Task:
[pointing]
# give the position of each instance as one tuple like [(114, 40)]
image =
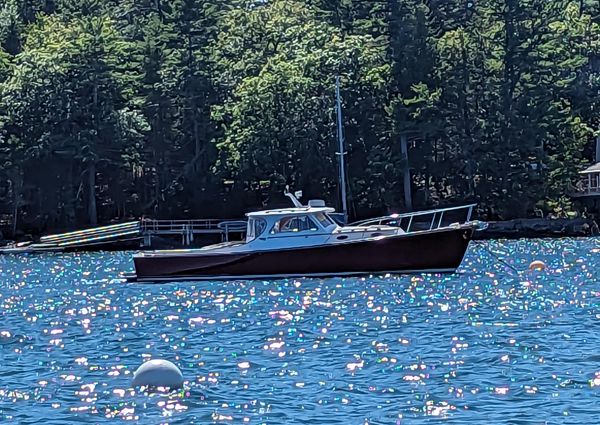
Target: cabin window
[(323, 219), (256, 226), (259, 226), (293, 224)]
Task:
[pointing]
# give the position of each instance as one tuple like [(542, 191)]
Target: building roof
[(291, 211), (591, 170)]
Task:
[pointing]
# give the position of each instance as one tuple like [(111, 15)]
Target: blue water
[(487, 345)]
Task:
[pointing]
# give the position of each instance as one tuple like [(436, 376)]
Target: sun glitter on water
[(487, 345)]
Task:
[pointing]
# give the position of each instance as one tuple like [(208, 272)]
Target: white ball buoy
[(537, 265), (158, 373)]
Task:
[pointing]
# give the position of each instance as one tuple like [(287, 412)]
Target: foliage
[(111, 109)]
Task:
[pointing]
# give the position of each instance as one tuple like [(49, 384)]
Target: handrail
[(233, 224), (190, 225), (418, 213), (195, 220), (203, 224), (415, 214), (411, 215)]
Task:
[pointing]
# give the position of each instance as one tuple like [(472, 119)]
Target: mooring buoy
[(158, 373), (537, 265)]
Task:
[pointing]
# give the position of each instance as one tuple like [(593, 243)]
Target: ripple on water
[(487, 345)]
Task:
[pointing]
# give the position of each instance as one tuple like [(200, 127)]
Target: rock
[(538, 228)]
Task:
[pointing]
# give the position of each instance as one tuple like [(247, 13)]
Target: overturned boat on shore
[(304, 241)]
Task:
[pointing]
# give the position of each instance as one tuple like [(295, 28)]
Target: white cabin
[(305, 226)]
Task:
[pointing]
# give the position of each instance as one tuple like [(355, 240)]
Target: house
[(589, 184)]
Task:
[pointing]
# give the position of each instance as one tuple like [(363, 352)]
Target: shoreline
[(533, 228), (524, 228)]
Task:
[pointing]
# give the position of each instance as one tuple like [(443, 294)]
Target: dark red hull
[(435, 251)]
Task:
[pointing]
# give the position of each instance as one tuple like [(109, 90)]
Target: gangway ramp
[(94, 236), (121, 235)]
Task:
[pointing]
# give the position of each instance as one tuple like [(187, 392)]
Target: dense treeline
[(189, 108)]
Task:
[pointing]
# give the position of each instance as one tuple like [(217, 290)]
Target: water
[(488, 345)]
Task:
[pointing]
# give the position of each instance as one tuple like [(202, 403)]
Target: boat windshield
[(323, 219), (300, 223)]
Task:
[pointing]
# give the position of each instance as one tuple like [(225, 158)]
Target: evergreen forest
[(114, 109)]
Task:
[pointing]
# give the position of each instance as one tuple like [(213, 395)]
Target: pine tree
[(65, 106), (279, 122)]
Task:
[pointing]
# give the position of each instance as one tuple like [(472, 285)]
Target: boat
[(313, 241), (304, 241)]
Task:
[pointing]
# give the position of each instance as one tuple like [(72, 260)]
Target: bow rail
[(419, 220)]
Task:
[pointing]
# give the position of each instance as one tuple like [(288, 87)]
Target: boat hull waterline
[(438, 251)]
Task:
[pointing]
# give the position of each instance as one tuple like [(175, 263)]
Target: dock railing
[(232, 226), (423, 220), (180, 226), (188, 228)]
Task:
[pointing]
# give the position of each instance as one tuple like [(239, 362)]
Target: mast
[(342, 152)]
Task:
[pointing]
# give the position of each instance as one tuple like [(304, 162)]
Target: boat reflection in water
[(305, 241)]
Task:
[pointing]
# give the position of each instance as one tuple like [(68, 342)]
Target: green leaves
[(164, 101), (64, 99), (507, 75), (278, 122)]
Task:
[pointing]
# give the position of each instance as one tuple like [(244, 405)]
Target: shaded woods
[(112, 109)]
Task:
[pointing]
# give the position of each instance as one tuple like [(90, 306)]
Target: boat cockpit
[(306, 225)]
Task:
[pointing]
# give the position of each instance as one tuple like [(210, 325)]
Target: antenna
[(342, 152), (293, 197)]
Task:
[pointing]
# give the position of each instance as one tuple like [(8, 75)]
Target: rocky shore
[(539, 228)]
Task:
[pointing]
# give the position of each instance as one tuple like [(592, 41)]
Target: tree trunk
[(92, 209), (69, 198), (197, 148), (17, 184), (466, 117), (406, 178)]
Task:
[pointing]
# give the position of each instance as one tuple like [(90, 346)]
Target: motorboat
[(310, 240), (304, 241)]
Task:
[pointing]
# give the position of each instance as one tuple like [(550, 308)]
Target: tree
[(111, 108), (279, 125), (65, 106)]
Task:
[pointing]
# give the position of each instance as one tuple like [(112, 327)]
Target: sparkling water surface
[(494, 343)]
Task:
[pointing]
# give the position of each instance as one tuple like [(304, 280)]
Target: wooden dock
[(137, 233)]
